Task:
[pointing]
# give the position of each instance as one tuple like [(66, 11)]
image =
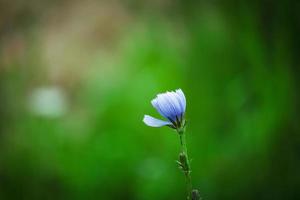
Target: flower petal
[(166, 106), (153, 122), (175, 102), (156, 105), (182, 99)]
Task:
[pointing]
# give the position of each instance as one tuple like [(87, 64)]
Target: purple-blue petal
[(175, 102), (153, 122), (182, 99), (156, 105), (166, 106)]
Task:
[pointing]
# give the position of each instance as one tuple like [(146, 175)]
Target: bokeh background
[(76, 78)]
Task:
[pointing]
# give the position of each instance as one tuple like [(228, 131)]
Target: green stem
[(187, 172)]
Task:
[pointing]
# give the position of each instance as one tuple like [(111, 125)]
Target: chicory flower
[(170, 105)]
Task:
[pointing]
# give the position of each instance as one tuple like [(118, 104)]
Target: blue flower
[(170, 105)]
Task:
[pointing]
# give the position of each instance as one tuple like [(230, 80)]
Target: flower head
[(170, 105)]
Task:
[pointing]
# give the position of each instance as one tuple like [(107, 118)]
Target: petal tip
[(153, 122)]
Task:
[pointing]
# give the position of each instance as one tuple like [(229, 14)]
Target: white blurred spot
[(48, 102)]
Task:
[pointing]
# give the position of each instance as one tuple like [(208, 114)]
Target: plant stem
[(187, 169)]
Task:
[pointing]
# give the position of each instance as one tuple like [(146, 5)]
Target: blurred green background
[(76, 78)]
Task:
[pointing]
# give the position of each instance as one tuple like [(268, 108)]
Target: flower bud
[(195, 194), (184, 162)]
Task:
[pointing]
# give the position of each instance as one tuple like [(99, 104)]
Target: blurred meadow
[(76, 78)]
